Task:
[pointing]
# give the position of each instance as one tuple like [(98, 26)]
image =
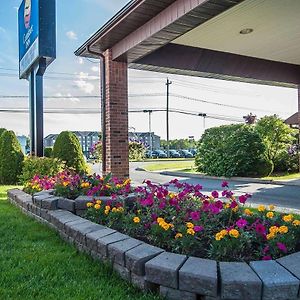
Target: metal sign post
[(37, 49)]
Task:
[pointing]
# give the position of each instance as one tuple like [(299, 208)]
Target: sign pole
[(32, 112)]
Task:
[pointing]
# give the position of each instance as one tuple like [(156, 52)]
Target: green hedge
[(232, 150), (67, 148), (11, 158)]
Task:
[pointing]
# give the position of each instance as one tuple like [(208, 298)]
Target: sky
[(73, 83)]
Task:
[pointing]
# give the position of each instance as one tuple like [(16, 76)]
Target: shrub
[(40, 166), (231, 150), (67, 148), (97, 151), (2, 130), (48, 152), (11, 158), (137, 150)]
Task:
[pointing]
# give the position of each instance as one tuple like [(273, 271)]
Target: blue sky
[(76, 21)]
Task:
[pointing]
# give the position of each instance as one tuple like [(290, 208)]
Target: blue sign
[(37, 33)]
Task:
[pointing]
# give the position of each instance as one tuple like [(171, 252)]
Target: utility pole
[(203, 115), (168, 83), (150, 133)]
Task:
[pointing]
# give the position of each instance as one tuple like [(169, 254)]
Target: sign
[(37, 36)]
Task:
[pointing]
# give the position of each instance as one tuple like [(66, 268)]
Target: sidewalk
[(290, 182)]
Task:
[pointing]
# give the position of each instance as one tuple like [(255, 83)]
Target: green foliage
[(97, 151), (179, 144), (2, 130), (137, 150), (48, 151), (231, 150), (286, 163), (67, 148), (276, 136), (40, 166), (11, 158)]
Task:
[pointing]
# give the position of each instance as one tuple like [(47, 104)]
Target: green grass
[(36, 264), (283, 176), (184, 164)]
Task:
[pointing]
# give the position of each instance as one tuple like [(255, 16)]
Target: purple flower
[(260, 229), (195, 215), (267, 257), (224, 184), (282, 247), (198, 228), (242, 199), (241, 223), (215, 194), (233, 204), (148, 201)]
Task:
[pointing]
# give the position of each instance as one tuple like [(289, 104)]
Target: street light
[(203, 115), (149, 111)]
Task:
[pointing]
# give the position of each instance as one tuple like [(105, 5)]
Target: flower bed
[(179, 218)]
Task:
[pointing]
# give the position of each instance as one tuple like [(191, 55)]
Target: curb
[(240, 179)]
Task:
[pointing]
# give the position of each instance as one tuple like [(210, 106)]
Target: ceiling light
[(246, 31)]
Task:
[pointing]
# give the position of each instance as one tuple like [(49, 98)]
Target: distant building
[(23, 141), (86, 139), (292, 120), (145, 137)]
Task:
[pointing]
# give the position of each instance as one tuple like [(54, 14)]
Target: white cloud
[(71, 35), (95, 69), (80, 61), (66, 97), (84, 86)]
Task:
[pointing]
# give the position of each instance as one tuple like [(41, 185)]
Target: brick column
[(116, 117)]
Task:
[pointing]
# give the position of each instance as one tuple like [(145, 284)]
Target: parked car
[(193, 151), (148, 154), (186, 154), (159, 154), (174, 153)]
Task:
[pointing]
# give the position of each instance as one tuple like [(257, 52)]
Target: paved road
[(279, 195)]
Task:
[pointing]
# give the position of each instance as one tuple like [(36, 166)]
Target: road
[(279, 195)]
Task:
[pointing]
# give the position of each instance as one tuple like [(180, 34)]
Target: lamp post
[(149, 111), (168, 83), (203, 115)]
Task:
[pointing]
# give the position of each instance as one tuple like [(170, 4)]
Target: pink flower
[(267, 257), (241, 223), (233, 204), (148, 201), (215, 194), (195, 215), (260, 229), (198, 228), (282, 247), (242, 199), (224, 184)]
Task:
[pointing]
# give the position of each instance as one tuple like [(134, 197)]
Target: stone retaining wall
[(148, 267)]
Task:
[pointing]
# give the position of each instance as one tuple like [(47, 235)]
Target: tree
[(137, 150), (179, 144), (67, 148), (276, 135), (11, 158)]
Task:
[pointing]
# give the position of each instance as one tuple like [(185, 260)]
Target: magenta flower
[(148, 201), (282, 247), (198, 228), (267, 257), (233, 204), (242, 199), (241, 223), (224, 184), (195, 215), (260, 229), (215, 194)]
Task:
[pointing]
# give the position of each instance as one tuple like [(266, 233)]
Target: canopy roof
[(246, 40)]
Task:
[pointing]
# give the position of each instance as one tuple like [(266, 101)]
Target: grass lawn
[(36, 264), (283, 176), (171, 165)]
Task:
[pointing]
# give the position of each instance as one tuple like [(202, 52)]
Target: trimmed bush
[(48, 151), (40, 166), (2, 130), (137, 150), (232, 150), (11, 158), (67, 148)]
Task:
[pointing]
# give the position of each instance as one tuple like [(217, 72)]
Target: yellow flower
[(107, 207), (283, 229), (235, 209), (89, 204), (190, 231), (273, 229), (272, 207), (261, 208), (118, 186), (270, 215), (171, 225), (120, 209), (65, 183), (270, 236), (99, 202), (165, 226), (227, 205), (85, 184), (190, 225), (171, 195), (108, 186), (136, 220), (106, 211), (218, 236), (160, 220), (248, 212), (287, 218), (114, 209), (178, 235), (97, 206), (224, 232), (234, 233), (296, 223)]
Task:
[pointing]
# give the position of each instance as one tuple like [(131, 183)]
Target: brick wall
[(116, 116)]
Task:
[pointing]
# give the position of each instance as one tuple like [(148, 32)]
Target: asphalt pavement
[(280, 195)]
